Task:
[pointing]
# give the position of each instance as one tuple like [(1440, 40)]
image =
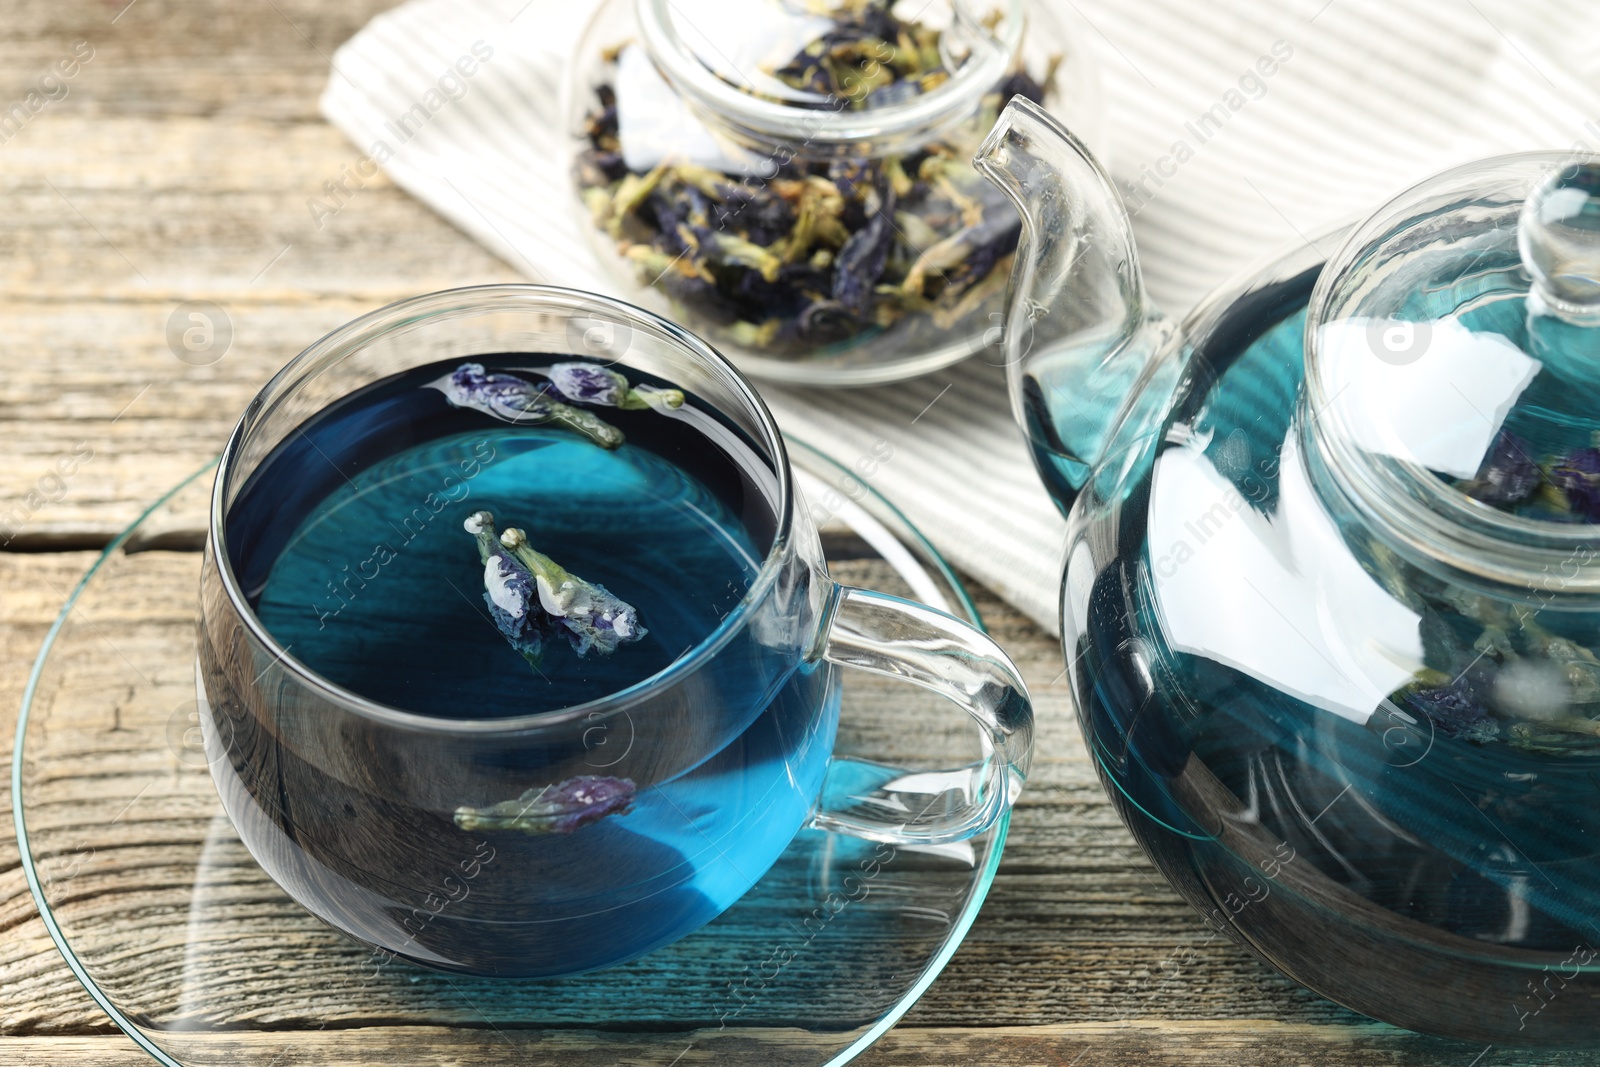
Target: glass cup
[(356, 808)]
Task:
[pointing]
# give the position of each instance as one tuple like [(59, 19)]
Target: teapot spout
[(1080, 343)]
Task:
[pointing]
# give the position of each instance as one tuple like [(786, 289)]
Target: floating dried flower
[(1453, 708), (553, 809), (531, 597), (512, 399), (588, 383), (655, 398), (510, 591), (590, 615), (1560, 737)]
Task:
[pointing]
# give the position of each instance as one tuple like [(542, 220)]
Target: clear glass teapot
[(1332, 596)]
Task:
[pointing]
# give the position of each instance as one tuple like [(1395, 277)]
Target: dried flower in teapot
[(1559, 488)]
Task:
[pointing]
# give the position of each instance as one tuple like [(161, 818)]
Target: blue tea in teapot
[(1331, 604)]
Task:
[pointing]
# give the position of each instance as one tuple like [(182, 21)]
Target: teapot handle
[(1088, 360)]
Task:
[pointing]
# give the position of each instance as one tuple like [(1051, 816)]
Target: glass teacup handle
[(886, 635)]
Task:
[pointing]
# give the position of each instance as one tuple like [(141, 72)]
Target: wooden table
[(177, 167)]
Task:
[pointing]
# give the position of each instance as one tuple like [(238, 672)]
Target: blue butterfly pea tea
[(1329, 606), (638, 513), (369, 547), (518, 664)]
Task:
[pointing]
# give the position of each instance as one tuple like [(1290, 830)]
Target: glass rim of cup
[(348, 338)]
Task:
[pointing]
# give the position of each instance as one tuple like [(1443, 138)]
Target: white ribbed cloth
[(1374, 94)]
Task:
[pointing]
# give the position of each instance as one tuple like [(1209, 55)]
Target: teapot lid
[(806, 73), (1453, 358)]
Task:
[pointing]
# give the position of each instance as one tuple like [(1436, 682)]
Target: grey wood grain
[(1156, 1043)]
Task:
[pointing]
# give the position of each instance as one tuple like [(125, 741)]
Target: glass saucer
[(201, 959)]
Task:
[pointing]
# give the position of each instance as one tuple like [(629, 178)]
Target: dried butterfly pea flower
[(1508, 474), (653, 397), (1577, 478), (797, 286), (1021, 83), (899, 92), (956, 305), (861, 260), (865, 53), (599, 168), (632, 191), (726, 249), (827, 321), (511, 399), (751, 335), (991, 242), (531, 597), (589, 383), (914, 242), (589, 614), (1453, 708), (761, 215), (818, 207), (966, 256), (848, 174), (510, 591), (1561, 737), (553, 809), (685, 281), (668, 207)]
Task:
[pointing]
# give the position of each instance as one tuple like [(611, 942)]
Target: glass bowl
[(797, 188)]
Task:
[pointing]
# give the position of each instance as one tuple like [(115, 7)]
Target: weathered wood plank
[(122, 204), (1154, 1042), (181, 57), (35, 587), (97, 413)]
